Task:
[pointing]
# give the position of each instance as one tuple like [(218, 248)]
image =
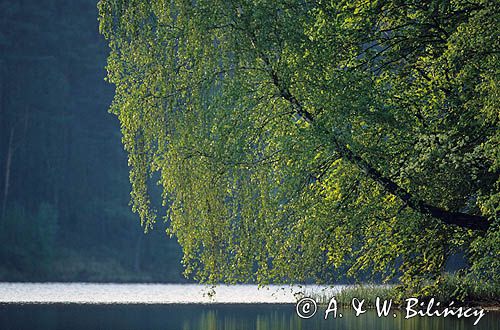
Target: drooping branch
[(464, 220), (460, 219)]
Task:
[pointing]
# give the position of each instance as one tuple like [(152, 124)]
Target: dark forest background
[(64, 186)]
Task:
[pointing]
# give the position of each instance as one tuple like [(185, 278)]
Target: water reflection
[(110, 293), (215, 316)]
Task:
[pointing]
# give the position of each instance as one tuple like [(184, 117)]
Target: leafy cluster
[(308, 139)]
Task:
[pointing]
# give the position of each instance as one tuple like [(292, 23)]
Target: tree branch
[(463, 220)]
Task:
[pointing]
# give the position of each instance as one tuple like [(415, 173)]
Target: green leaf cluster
[(302, 140)]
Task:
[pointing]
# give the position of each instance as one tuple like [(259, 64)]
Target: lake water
[(164, 306), (95, 293)]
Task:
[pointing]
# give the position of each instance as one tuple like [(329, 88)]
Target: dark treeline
[(64, 186)]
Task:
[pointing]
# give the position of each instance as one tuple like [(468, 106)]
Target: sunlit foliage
[(303, 139)]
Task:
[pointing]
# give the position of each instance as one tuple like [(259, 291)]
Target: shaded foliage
[(63, 185)]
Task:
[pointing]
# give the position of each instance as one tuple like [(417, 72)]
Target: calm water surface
[(160, 306), (94, 293)]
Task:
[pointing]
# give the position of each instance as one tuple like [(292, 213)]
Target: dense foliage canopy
[(304, 139), (63, 177)]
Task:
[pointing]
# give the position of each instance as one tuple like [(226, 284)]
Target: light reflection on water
[(186, 307), (95, 293)]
